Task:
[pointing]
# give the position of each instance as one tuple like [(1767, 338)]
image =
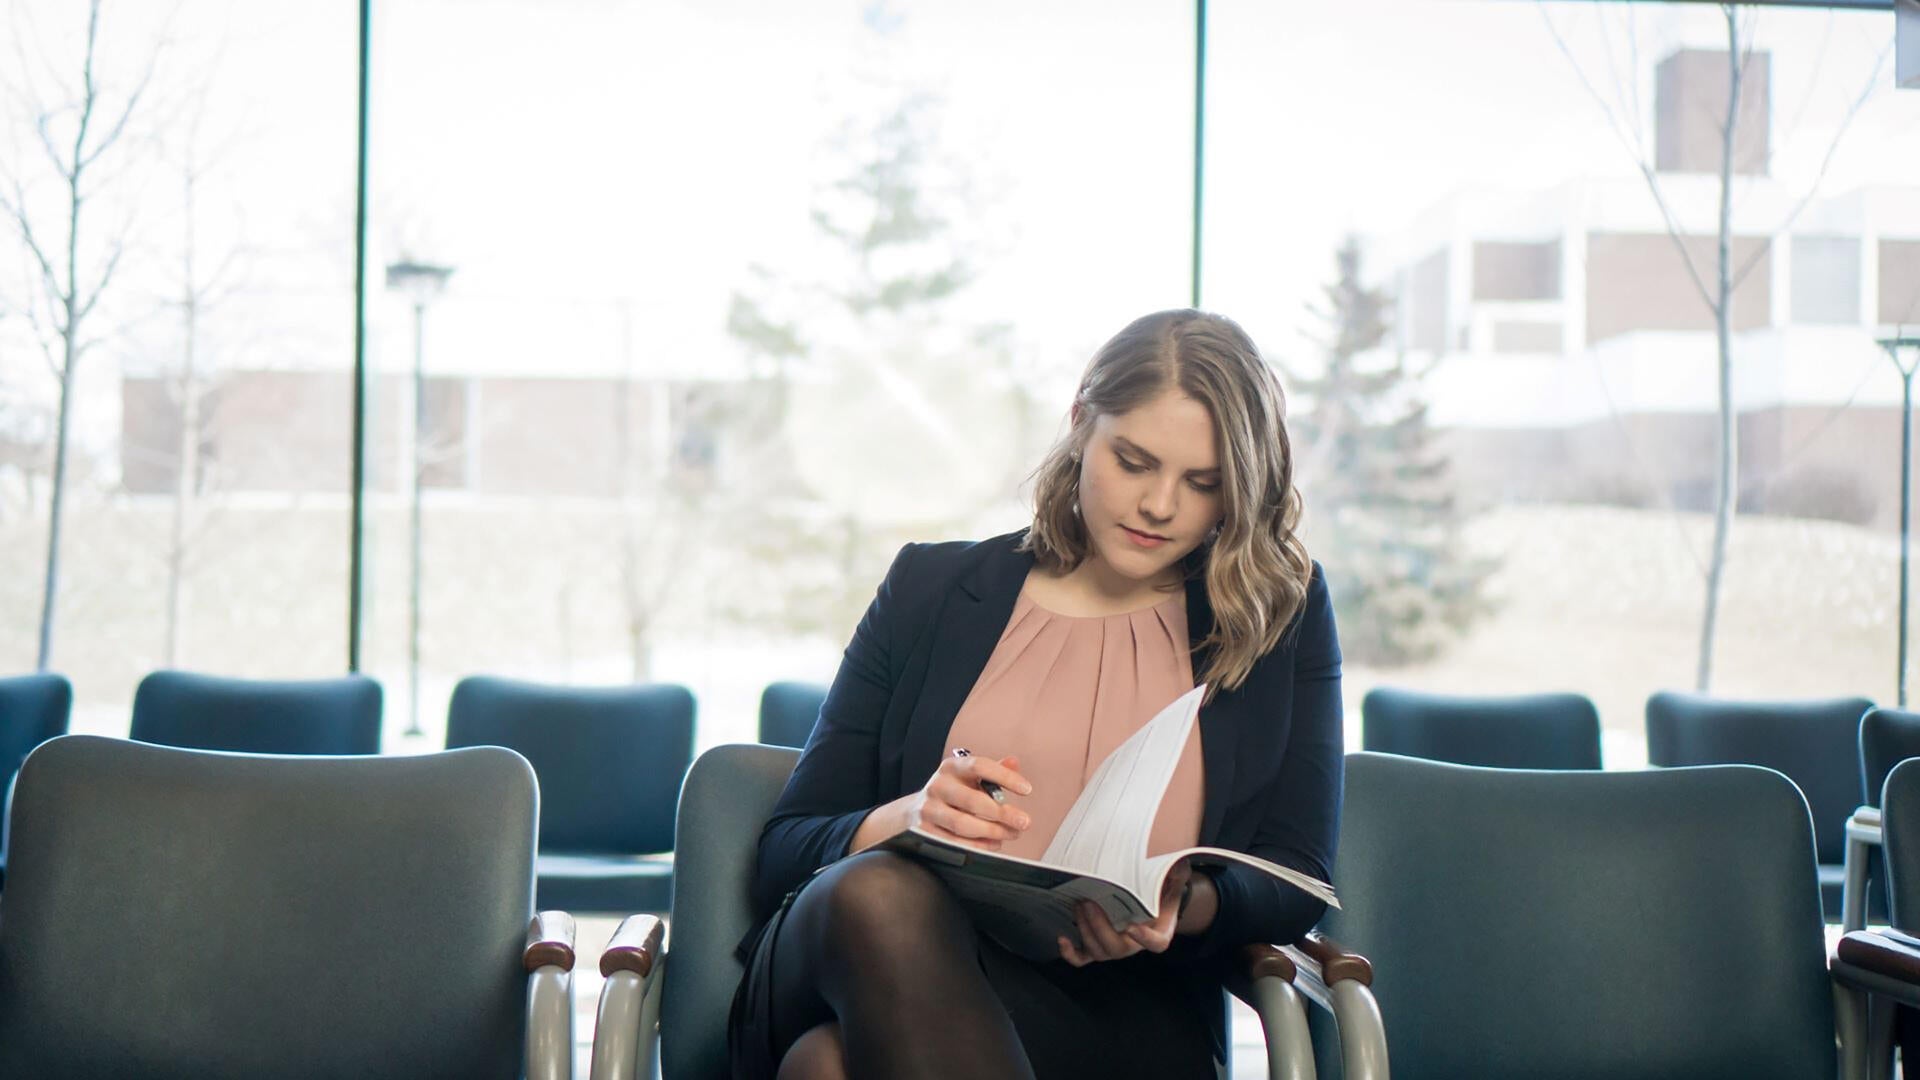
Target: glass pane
[(203, 507), (1536, 208), (729, 331)]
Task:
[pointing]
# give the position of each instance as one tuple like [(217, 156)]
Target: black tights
[(877, 974)]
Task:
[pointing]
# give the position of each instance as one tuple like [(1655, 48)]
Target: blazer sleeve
[(1301, 825), (836, 781)]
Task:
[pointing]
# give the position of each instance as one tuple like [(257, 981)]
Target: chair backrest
[(300, 716), (1528, 731), (1547, 923), (1887, 737), (610, 759), (33, 709), (1900, 837), (729, 794), (788, 711), (185, 913), (1815, 743)]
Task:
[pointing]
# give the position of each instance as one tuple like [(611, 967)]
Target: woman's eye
[(1130, 466), (1205, 489)]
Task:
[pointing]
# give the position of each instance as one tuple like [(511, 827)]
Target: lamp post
[(1895, 346), (420, 283)]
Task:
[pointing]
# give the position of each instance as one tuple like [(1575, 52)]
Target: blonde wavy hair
[(1255, 566)]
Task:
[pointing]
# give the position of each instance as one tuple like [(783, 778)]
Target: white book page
[(1106, 831)]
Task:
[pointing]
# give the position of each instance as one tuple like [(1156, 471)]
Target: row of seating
[(228, 915), (1837, 751), (611, 758)]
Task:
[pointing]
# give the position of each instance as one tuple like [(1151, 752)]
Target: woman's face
[(1150, 485)]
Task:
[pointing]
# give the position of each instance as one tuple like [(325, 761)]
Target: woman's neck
[(1092, 588)]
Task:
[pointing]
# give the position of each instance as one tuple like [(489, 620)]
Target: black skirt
[(1124, 1018)]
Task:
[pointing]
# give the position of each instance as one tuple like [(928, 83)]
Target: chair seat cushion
[(579, 882)]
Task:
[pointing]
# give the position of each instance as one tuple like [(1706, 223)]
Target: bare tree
[(193, 385), (1727, 276), (82, 132)]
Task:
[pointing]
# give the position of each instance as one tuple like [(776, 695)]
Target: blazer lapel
[(974, 613), (1218, 723)]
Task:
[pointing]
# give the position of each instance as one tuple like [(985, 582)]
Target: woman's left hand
[(1100, 941)]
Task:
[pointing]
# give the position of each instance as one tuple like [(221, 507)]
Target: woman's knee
[(880, 897)]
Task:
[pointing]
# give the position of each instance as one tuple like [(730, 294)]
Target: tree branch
[(1820, 174)]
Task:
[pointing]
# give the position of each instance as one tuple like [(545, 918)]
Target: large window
[(206, 378), (743, 296), (1534, 194)]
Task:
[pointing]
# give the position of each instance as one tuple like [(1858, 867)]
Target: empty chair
[(1528, 731), (1887, 737), (33, 709), (1884, 963), (678, 1010), (1813, 742), (787, 712), (182, 913), (253, 716), (610, 761), (1532, 924)]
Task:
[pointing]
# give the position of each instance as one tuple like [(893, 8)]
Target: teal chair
[(1525, 924), (788, 711), (179, 913), (1814, 743), (610, 762), (1522, 731), (258, 716), (33, 709)]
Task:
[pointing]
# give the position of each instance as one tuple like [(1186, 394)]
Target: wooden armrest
[(1883, 952), (549, 941), (1260, 961), (635, 946), (1336, 963)]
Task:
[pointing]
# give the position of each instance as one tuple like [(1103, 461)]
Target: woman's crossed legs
[(877, 973)]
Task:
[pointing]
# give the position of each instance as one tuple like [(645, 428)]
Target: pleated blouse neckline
[(1062, 691)]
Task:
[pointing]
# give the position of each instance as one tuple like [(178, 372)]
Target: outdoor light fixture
[(421, 283), (1904, 348)]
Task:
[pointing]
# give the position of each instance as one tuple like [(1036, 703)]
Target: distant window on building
[(1690, 112), (444, 447), (1826, 279), (1427, 303), (1639, 281), (697, 411), (1900, 282), (1507, 271), (1519, 336)]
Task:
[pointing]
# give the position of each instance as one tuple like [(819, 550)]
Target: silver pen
[(992, 789)]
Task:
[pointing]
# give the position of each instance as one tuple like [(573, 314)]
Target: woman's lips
[(1145, 540)]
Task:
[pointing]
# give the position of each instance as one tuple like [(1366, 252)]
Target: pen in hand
[(992, 789)]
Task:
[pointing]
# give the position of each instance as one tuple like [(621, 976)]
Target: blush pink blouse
[(1062, 691)]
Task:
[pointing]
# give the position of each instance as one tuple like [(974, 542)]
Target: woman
[(1163, 550)]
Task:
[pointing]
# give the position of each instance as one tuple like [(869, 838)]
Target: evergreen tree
[(1381, 516), (898, 407)]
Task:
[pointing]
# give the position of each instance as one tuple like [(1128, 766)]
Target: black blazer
[(1273, 750)]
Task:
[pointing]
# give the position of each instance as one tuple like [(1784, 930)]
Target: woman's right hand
[(952, 806)]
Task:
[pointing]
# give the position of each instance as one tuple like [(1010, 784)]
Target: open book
[(1099, 854)]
